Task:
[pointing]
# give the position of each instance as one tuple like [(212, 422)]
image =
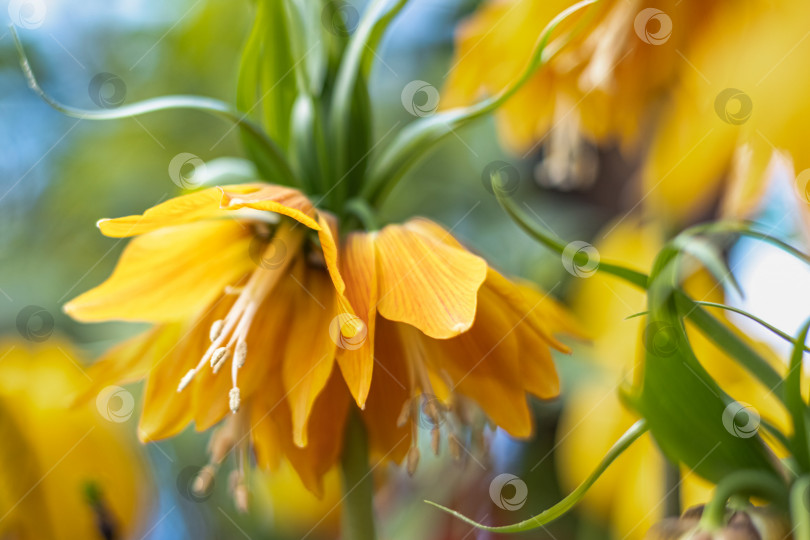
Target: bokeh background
[(59, 175)]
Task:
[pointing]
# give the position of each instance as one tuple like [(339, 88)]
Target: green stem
[(672, 495), (358, 485), (795, 402), (630, 436), (800, 508), (746, 483), (420, 137), (209, 105), (360, 209)]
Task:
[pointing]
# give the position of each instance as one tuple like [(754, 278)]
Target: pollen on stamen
[(241, 353), (219, 357), (234, 399), (186, 379), (216, 330)]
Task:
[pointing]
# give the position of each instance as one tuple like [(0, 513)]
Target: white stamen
[(219, 357), (241, 354), (216, 330), (234, 399), (220, 360), (186, 379)]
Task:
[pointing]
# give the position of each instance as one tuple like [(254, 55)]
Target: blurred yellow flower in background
[(68, 472), (630, 495), (282, 307), (702, 93)]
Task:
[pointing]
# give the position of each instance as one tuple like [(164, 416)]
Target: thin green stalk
[(361, 210), (358, 485), (559, 509), (800, 508), (746, 483), (415, 141), (784, 335), (795, 403), (205, 104)]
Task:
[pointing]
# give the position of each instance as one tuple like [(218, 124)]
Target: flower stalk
[(358, 484)]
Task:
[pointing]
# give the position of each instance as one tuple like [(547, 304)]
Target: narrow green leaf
[(725, 338), (562, 507), (800, 508), (784, 335), (795, 403), (350, 108), (547, 238), (421, 136), (274, 165), (707, 253)]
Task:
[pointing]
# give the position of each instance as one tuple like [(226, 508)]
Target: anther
[(234, 399), (241, 353), (413, 460), (216, 330), (219, 357), (203, 480), (404, 414)]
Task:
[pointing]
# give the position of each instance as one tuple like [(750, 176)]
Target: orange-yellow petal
[(279, 199), (425, 282), (356, 354), (170, 274), (388, 394), (272, 425), (188, 208), (166, 412), (310, 350), (484, 364)]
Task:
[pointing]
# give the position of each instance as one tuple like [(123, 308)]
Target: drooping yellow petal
[(170, 274), (387, 396), (272, 425), (310, 350), (484, 365), (126, 362), (356, 354), (279, 199), (425, 282), (188, 208), (166, 411), (536, 364), (528, 304)]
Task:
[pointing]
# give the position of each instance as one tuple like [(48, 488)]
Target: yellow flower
[(67, 471), (702, 93), (234, 285), (629, 496)]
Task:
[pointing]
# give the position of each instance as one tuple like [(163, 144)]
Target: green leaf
[(547, 238), (784, 335), (547, 516), (709, 254), (725, 338), (800, 507), (268, 83), (350, 108), (273, 165), (795, 403), (421, 136), (687, 411)]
